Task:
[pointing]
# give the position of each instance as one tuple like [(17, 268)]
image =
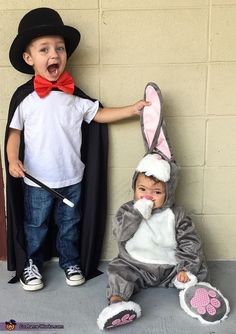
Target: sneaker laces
[(74, 270), (32, 271)]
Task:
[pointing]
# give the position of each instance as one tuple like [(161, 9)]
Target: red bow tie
[(43, 87)]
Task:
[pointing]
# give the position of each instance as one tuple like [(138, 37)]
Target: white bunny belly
[(154, 242)]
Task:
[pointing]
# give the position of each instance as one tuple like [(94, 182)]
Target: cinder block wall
[(188, 48)]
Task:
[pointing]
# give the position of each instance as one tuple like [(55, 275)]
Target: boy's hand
[(182, 277), (16, 168), (138, 106)]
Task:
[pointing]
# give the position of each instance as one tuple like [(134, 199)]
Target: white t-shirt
[(52, 135)]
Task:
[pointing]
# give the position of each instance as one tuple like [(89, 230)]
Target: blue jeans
[(39, 204)]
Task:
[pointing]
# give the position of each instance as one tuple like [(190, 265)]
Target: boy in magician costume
[(157, 241), (44, 138)]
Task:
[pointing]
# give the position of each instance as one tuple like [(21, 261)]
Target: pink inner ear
[(163, 146), (151, 114), (151, 117)]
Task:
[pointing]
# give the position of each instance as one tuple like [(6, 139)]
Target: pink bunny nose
[(148, 197)]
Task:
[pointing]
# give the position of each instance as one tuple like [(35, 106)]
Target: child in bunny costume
[(157, 241)]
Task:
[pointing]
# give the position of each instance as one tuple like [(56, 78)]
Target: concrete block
[(219, 233), (221, 89), (187, 137), (219, 191), (223, 27), (119, 187), (87, 79), (220, 145), (189, 191), (62, 4), (223, 2), (148, 4), (126, 146), (152, 37)]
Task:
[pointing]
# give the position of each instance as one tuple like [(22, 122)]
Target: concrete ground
[(77, 308)]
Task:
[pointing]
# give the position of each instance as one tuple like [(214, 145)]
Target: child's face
[(48, 56), (146, 187)]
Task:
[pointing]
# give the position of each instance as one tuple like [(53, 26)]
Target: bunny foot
[(204, 302), (118, 314)]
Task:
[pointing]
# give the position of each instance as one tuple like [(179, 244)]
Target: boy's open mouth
[(52, 69)]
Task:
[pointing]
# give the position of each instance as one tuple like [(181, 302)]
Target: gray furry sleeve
[(189, 252), (126, 222)]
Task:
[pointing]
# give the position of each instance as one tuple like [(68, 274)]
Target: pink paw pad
[(124, 320), (205, 301)]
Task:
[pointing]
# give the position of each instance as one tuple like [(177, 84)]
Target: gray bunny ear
[(152, 125)]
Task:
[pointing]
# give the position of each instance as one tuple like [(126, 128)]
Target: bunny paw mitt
[(204, 302), (118, 314), (144, 206)]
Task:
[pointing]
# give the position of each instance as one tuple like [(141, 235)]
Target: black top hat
[(40, 22)]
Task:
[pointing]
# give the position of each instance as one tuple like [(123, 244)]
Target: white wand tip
[(69, 203)]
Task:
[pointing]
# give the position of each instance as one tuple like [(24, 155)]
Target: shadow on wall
[(3, 250)]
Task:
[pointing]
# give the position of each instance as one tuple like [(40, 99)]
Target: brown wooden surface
[(3, 251)]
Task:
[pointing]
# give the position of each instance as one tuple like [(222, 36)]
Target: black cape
[(94, 152)]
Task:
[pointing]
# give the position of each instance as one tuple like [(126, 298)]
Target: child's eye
[(158, 192), (61, 48), (141, 189), (45, 50)]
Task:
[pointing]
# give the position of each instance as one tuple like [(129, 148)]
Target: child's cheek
[(136, 196)]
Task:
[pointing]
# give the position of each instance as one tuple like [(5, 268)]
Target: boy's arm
[(108, 115), (16, 167)]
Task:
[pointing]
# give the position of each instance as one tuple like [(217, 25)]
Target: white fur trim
[(192, 281), (193, 315), (152, 166), (144, 206), (113, 309)]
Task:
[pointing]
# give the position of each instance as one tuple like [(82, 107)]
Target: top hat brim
[(18, 47)]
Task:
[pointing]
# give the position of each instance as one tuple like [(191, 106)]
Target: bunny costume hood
[(158, 161), (162, 170)]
